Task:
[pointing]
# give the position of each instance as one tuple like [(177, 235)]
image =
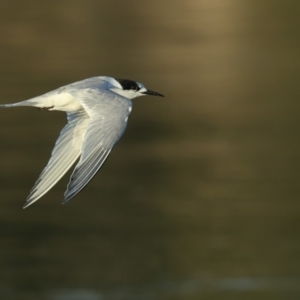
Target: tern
[(97, 111)]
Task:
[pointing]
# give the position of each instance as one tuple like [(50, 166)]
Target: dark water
[(200, 198)]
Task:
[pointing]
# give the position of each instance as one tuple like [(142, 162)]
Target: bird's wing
[(108, 112), (67, 149)]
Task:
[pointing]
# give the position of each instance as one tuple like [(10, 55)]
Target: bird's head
[(131, 89)]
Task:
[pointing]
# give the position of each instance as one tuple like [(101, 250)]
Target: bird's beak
[(152, 93)]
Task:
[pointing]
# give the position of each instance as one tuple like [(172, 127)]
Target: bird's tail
[(23, 103)]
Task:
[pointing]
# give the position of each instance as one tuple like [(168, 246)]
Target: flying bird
[(97, 112)]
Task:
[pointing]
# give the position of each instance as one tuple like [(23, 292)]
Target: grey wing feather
[(66, 151), (108, 113)]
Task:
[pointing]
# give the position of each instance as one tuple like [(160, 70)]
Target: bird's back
[(97, 83)]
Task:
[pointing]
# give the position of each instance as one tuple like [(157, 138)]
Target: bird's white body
[(97, 111), (66, 98)]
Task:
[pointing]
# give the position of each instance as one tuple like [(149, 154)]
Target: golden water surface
[(200, 198)]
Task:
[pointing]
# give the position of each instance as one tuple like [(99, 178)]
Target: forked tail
[(23, 103)]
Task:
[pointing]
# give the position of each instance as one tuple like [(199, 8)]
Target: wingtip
[(29, 201), (67, 198), (26, 205)]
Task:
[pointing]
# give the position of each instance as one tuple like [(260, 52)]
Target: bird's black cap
[(128, 84)]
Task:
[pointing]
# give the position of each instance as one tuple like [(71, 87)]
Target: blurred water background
[(200, 198)]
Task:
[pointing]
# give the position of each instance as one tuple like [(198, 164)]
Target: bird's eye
[(135, 87), (129, 84)]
